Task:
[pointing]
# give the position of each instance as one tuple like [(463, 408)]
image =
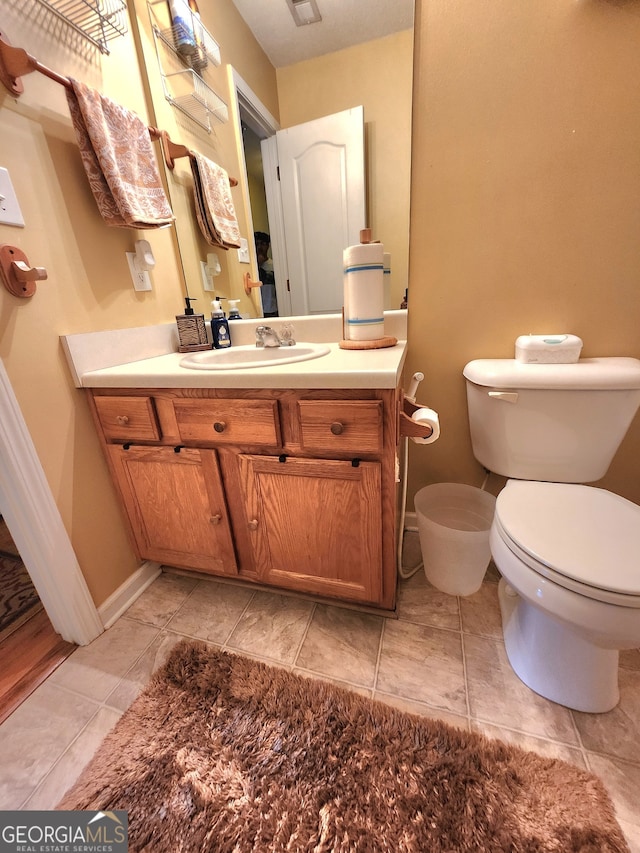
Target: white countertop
[(146, 358)]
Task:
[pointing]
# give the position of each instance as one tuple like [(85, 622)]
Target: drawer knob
[(216, 519), (337, 428), (123, 420), (253, 524), (219, 426)]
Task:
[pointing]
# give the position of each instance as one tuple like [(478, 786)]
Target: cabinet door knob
[(216, 519), (123, 420), (337, 428), (253, 524), (219, 426)]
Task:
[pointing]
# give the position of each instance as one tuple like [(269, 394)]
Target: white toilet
[(569, 555)]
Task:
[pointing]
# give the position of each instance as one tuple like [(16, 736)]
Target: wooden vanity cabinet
[(294, 489)]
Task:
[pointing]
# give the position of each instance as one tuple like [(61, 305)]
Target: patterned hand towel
[(119, 160), (214, 206)]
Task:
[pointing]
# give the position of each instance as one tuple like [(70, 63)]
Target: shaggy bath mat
[(222, 753), (19, 600)]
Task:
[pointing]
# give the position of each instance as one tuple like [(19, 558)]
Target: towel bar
[(15, 62)]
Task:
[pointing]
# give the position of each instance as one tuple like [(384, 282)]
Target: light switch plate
[(243, 251), (10, 213)]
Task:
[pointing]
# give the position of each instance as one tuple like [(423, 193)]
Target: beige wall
[(525, 218), (377, 75), (525, 199), (89, 287)]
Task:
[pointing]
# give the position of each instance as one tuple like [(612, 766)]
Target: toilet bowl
[(569, 556)]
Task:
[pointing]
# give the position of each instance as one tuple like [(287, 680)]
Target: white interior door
[(322, 188)]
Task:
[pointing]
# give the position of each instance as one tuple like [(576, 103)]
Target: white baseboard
[(120, 600)]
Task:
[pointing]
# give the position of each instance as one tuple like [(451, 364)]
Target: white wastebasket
[(454, 522)]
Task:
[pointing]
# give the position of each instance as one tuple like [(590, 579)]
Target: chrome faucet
[(267, 337)]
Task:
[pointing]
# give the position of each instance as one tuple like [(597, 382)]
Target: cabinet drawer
[(353, 426), (128, 418), (252, 422)]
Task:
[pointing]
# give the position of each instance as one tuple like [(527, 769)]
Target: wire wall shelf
[(183, 66), (99, 21), (198, 101)]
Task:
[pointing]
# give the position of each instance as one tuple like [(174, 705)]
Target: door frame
[(36, 526)]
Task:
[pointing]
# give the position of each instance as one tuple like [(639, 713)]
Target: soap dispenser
[(234, 314), (219, 327), (192, 330)]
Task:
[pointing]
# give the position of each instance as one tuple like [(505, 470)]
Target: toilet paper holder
[(409, 427)]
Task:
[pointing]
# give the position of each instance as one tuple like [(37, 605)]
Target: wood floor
[(27, 658), (28, 655)]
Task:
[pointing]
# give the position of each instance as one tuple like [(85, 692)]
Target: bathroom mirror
[(376, 75)]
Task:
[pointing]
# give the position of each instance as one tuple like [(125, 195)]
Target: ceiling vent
[(304, 12)]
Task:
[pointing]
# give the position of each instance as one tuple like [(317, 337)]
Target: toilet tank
[(557, 422)]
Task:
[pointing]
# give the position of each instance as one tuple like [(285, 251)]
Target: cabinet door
[(176, 506), (315, 525)]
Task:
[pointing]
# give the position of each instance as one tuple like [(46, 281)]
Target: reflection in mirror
[(263, 100), (315, 189), (310, 90)]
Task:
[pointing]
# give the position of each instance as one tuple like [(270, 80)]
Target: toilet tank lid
[(602, 374)]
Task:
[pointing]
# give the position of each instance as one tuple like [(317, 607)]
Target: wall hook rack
[(17, 274)]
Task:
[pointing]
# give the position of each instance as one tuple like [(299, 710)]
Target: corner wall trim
[(36, 526), (123, 597)]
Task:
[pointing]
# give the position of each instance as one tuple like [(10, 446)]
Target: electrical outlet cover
[(140, 278), (207, 281)]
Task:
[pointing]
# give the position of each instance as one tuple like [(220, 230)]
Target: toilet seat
[(584, 539)]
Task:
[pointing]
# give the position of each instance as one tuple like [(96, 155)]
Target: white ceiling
[(344, 23)]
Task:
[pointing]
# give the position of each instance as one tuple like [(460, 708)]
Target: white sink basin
[(235, 358)]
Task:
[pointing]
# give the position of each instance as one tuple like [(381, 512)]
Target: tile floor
[(442, 657)]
